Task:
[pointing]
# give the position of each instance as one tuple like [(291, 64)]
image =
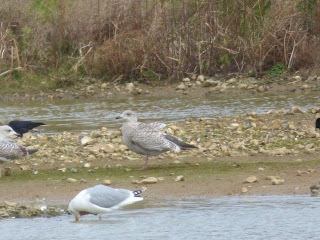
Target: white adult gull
[(146, 138), (9, 149), (102, 199)]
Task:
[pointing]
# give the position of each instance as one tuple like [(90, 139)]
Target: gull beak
[(119, 117)]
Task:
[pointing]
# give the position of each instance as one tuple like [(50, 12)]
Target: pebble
[(106, 182), (179, 178), (86, 140), (244, 190), (71, 180), (148, 180), (251, 179)]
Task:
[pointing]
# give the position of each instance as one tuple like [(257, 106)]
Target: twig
[(75, 67), (9, 71)]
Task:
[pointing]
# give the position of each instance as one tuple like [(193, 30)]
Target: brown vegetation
[(157, 39)]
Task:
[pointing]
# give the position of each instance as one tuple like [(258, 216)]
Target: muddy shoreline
[(283, 144)]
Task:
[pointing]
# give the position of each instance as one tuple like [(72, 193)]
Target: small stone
[(71, 180), (277, 181), (251, 179), (181, 86), (106, 182), (129, 87), (149, 180), (261, 89), (179, 178), (186, 80), (244, 190), (62, 170), (10, 204), (24, 167), (86, 140), (87, 165), (8, 171), (74, 170), (200, 78), (297, 110)]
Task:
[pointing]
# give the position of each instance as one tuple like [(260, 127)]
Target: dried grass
[(166, 38)]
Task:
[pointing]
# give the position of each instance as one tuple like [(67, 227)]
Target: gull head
[(6, 132), (128, 116)]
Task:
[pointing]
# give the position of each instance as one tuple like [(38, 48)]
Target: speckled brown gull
[(102, 199), (146, 139), (9, 149)]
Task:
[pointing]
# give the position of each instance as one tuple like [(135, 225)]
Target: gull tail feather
[(139, 191), (181, 144)]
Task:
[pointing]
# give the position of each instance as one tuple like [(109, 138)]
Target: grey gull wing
[(107, 197)]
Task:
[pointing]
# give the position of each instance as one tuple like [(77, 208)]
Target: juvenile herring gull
[(9, 149), (147, 139), (22, 127), (102, 199)]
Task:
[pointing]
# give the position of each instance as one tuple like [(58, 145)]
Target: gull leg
[(77, 217), (0, 169), (100, 218), (145, 166)]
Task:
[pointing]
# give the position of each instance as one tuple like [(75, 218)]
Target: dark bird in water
[(146, 138), (22, 127), (318, 123)]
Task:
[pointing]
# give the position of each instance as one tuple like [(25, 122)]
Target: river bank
[(249, 154), (194, 86)]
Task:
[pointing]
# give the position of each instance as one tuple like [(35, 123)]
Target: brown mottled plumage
[(146, 139), (9, 149)]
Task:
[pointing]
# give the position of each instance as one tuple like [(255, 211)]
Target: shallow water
[(263, 217), (92, 114)]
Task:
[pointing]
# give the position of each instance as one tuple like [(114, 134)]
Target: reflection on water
[(92, 114), (266, 217)]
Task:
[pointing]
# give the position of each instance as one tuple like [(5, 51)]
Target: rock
[(305, 86), (277, 181), (181, 86), (311, 132), (104, 86), (200, 78), (243, 86), (106, 182), (297, 110), (186, 80), (314, 190), (149, 180), (297, 78), (24, 167), (276, 124), (102, 147), (74, 170), (251, 179), (211, 83), (231, 81), (8, 171), (244, 190), (62, 170), (86, 140), (179, 178), (261, 89), (10, 204), (95, 134), (71, 180), (87, 165), (129, 87)]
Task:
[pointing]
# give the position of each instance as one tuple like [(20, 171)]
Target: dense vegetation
[(64, 40)]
